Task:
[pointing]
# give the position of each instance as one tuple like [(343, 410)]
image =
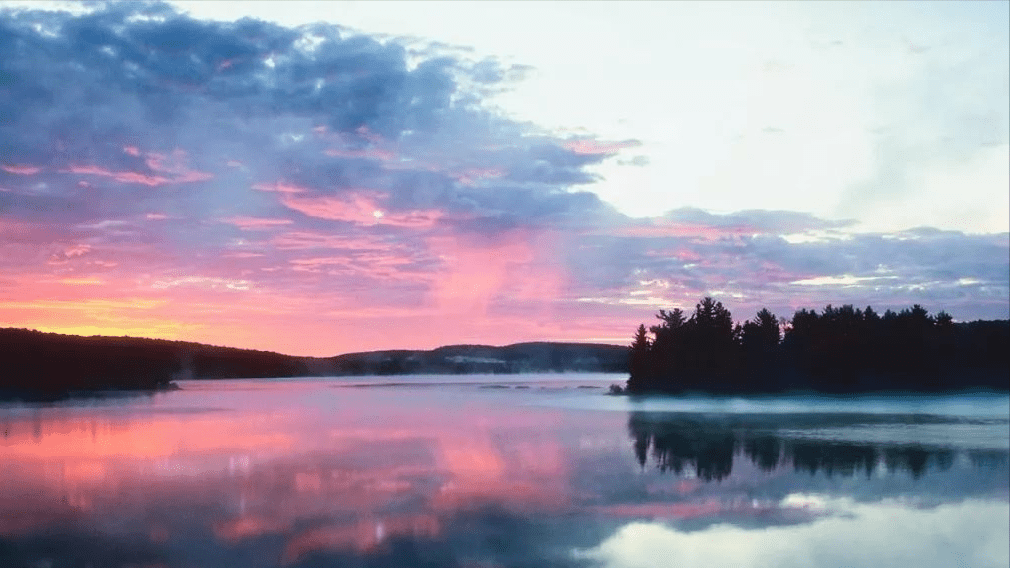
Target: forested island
[(50, 364), (839, 350)]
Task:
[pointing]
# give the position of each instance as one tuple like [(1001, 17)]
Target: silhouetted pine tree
[(640, 363), (759, 341)]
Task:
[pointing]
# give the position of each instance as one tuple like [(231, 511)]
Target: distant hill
[(463, 359), (37, 362)]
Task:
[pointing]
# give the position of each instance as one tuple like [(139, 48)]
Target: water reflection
[(969, 533), (297, 473), (708, 447)]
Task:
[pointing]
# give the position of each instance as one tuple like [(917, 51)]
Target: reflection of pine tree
[(911, 458), (677, 442), (642, 442), (764, 451), (832, 458)]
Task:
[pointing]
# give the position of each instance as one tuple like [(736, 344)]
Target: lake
[(501, 471)]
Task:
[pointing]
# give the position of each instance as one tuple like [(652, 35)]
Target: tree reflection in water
[(248, 474), (686, 443)]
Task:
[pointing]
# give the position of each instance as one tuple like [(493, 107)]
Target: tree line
[(836, 350), (36, 362)]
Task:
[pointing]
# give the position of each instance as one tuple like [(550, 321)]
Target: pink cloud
[(515, 269), (21, 170), (172, 167), (280, 187), (76, 250), (412, 219), (384, 266), (303, 240), (82, 281), (175, 164), (770, 272), (192, 177), (598, 147), (661, 228), (72, 251), (360, 208), (124, 177), (470, 176), (348, 146), (320, 261), (367, 134), (370, 153), (31, 233), (243, 255), (255, 223), (681, 253)]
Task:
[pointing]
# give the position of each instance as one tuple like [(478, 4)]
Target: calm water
[(534, 471)]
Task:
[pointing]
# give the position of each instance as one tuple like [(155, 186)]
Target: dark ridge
[(47, 366), (37, 362), (467, 359)]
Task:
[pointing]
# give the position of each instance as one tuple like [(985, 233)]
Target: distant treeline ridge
[(37, 362), (50, 362)]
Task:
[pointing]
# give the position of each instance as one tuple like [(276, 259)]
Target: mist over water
[(527, 470)]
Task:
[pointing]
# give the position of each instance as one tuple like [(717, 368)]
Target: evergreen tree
[(640, 363), (667, 349)]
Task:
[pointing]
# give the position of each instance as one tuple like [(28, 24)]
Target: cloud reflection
[(297, 473), (891, 533)]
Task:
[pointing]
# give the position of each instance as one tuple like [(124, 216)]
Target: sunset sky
[(323, 178)]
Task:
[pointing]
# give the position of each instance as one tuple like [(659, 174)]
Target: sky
[(320, 178)]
